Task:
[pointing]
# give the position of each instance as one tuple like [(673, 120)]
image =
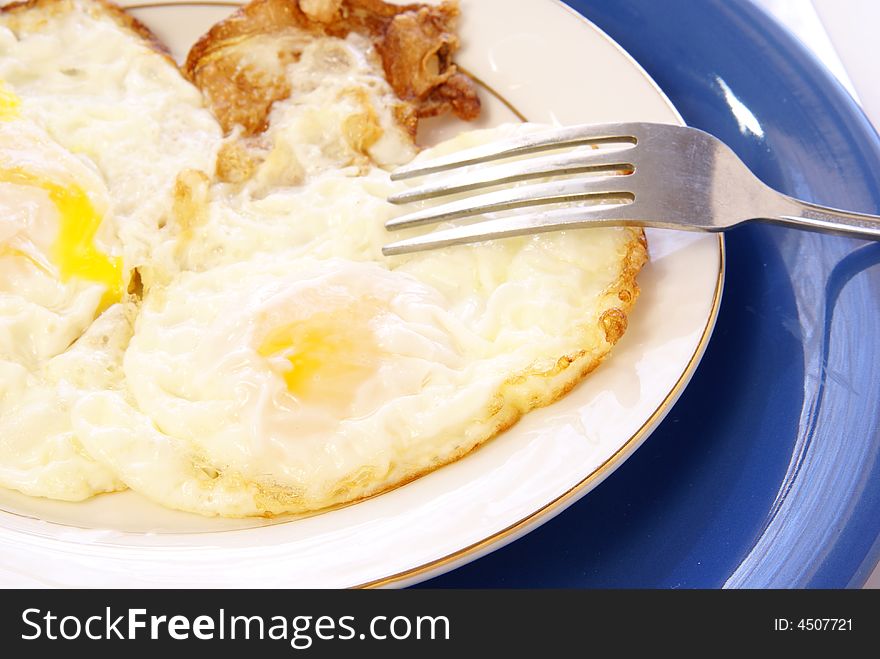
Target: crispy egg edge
[(513, 399)]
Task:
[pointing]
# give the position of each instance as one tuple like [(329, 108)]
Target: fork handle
[(824, 219)]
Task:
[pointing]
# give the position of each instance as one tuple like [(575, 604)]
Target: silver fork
[(650, 175)]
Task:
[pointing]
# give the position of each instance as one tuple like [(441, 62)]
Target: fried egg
[(294, 368), (97, 131), (281, 384), (60, 269), (101, 86)]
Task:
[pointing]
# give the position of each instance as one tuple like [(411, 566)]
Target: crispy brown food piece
[(416, 43), (15, 10)]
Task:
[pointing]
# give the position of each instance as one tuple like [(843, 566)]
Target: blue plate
[(766, 472)]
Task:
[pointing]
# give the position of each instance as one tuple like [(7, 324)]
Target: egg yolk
[(323, 359), (74, 251), (9, 103)]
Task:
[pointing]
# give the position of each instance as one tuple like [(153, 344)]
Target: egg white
[(384, 360), (108, 96), (51, 347), (470, 338)]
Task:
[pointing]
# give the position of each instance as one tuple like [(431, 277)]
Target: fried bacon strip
[(240, 63)]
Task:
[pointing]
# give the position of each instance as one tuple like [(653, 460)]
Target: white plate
[(550, 65)]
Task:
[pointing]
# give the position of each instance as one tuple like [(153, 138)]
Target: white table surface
[(842, 33)]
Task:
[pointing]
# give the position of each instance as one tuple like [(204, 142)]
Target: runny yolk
[(324, 358), (74, 251), (9, 103)]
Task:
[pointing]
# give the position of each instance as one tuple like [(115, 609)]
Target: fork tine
[(594, 187), (518, 225), (550, 139), (557, 165)]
